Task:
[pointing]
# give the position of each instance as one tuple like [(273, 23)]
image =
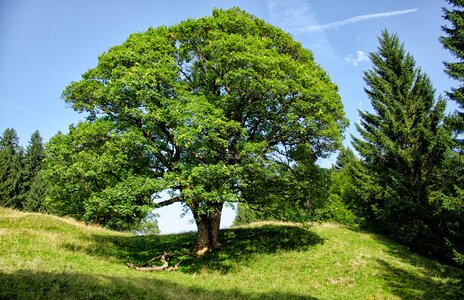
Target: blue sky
[(46, 44)]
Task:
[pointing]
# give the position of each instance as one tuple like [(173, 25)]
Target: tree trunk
[(208, 229)]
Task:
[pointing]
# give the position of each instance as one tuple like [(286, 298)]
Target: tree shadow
[(49, 285), (427, 284), (418, 276), (239, 246)]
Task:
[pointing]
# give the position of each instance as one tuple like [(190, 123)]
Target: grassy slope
[(45, 257)]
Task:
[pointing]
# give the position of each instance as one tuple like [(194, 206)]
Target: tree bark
[(208, 228)]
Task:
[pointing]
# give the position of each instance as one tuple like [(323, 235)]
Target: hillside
[(45, 257)]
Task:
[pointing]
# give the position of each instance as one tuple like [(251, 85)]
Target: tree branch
[(170, 201), (160, 268)]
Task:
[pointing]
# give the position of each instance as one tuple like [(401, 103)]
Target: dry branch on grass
[(165, 258)]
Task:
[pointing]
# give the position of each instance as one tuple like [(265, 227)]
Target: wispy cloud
[(360, 57), (14, 105), (357, 19), (292, 16)]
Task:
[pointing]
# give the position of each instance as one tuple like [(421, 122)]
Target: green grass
[(45, 257)]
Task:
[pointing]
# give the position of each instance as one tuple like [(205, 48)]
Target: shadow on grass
[(426, 284), (420, 277), (43, 285), (239, 246)]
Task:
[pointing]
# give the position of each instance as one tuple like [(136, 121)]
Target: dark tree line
[(22, 183)]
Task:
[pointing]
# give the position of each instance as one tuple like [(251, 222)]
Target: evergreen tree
[(10, 168), (451, 197), (33, 157), (454, 42), (345, 156), (403, 146), (33, 187), (35, 198)]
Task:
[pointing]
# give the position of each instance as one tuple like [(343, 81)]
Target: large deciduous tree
[(100, 175), (403, 146), (215, 100)]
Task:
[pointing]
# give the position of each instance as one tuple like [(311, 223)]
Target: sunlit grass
[(45, 257)]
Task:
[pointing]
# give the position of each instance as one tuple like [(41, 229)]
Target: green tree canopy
[(339, 205), (213, 99), (403, 146), (100, 175), (287, 193)]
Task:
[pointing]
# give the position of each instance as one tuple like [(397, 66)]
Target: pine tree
[(34, 155), (454, 42), (33, 188), (10, 168), (344, 157), (35, 199), (451, 197), (403, 144)]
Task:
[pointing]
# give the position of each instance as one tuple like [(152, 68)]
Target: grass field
[(45, 257)]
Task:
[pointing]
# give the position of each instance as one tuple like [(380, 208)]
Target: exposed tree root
[(165, 258)]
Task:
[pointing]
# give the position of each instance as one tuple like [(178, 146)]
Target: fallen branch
[(175, 268), (163, 258), (149, 261)]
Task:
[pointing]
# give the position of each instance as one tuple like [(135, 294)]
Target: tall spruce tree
[(33, 157), (403, 145), (35, 199), (33, 188), (345, 156), (10, 169), (454, 42), (451, 198)]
